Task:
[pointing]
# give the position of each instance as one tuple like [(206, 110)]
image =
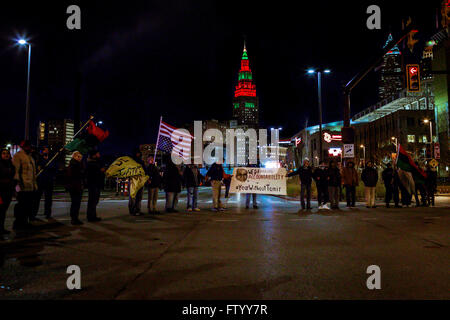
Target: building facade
[(391, 77)]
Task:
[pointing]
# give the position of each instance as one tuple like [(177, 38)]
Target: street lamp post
[(319, 96), (431, 135), (27, 106), (364, 153)]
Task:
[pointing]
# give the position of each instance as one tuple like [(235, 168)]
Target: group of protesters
[(330, 179), (30, 175)]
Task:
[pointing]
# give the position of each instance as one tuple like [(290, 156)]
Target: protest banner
[(259, 180)]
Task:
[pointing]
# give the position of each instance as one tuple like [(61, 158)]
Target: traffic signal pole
[(361, 75)]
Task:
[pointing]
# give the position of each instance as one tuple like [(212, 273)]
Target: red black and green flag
[(88, 140), (405, 162)]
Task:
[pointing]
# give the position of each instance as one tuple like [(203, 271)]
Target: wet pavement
[(274, 252)]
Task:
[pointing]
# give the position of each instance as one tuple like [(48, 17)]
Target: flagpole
[(157, 140), (60, 150)]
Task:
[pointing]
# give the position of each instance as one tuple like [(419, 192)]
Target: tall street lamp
[(319, 95), (431, 135), (364, 153), (24, 42)]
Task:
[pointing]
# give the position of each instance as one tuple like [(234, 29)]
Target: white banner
[(259, 180)]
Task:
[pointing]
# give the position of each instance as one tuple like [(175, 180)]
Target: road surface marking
[(307, 219), (227, 220)]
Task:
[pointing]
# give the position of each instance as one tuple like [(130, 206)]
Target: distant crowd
[(29, 177)]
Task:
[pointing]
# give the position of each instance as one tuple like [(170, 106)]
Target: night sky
[(180, 59)]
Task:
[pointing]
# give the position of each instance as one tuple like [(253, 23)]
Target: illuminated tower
[(245, 102), (391, 80)]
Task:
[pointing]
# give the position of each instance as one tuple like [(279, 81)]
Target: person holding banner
[(74, 184), (306, 174), (134, 204), (215, 174)]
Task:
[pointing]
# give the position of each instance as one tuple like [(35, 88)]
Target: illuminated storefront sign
[(335, 152), (329, 137)]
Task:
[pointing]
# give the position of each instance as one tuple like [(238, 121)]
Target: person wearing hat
[(26, 186), (95, 180)]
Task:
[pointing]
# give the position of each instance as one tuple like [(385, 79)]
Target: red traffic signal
[(413, 77)]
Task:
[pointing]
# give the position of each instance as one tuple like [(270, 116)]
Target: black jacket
[(388, 176), (189, 179), (47, 176), (369, 176), (215, 172), (94, 176), (7, 171), (333, 177), (154, 176), (305, 174), (172, 178), (431, 180), (74, 176), (320, 177)]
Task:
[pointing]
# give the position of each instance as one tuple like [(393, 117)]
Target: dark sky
[(180, 59)]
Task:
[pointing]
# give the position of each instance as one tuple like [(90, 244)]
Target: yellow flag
[(125, 167), (137, 183)]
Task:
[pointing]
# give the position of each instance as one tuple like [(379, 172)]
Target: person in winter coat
[(192, 180), (134, 204), (215, 175), (370, 178), (172, 180), (74, 184), (390, 179), (25, 177), (305, 174), (321, 179), (350, 182), (95, 180), (334, 183), (420, 188), (7, 172), (430, 185), (153, 185), (45, 182)]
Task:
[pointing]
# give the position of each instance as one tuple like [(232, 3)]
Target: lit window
[(411, 138)]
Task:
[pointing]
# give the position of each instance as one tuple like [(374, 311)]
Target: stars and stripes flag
[(166, 143)]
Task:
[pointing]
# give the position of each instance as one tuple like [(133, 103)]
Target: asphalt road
[(274, 252)]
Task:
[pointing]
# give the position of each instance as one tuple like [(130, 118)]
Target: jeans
[(6, 201), (134, 205), (192, 195), (75, 197), (370, 196), (350, 193), (216, 188), (47, 191), (305, 188), (152, 198), (93, 199), (171, 200), (322, 194), (334, 196), (247, 199)]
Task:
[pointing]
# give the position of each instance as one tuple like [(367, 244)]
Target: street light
[(364, 153), (24, 42), (319, 95), (431, 128)]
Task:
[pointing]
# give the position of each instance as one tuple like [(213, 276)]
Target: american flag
[(183, 148)]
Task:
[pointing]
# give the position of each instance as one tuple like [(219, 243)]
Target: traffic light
[(411, 41), (412, 77)]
